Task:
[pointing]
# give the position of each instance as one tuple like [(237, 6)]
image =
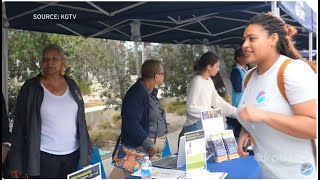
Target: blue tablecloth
[(240, 168)]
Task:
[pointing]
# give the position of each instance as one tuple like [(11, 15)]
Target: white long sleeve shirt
[(201, 96)]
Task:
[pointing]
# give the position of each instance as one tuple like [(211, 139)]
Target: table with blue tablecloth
[(240, 168)]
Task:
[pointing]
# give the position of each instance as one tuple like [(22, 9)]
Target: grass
[(181, 111), (119, 123), (177, 106), (105, 125), (116, 117), (102, 137), (106, 131), (169, 108)]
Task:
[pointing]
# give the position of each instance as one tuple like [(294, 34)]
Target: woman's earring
[(62, 72)]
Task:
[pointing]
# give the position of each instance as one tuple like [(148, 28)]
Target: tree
[(178, 62), (109, 62)]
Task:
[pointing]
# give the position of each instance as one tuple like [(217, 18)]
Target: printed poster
[(212, 122), (195, 147)]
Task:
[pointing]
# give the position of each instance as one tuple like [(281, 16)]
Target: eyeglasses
[(162, 73)]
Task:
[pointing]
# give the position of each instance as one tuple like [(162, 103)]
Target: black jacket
[(134, 113), (5, 123), (26, 133)]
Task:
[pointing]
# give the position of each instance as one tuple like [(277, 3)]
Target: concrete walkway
[(173, 143)]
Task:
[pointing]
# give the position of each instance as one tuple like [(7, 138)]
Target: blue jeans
[(193, 127)]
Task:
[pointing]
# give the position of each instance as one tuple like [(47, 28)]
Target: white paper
[(205, 175), (212, 121), (160, 173)]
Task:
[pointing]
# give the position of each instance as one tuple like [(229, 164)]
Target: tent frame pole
[(310, 46)]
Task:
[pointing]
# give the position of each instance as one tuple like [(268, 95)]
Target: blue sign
[(300, 12)]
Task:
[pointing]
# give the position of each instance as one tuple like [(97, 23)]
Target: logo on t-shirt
[(261, 96), (306, 169)]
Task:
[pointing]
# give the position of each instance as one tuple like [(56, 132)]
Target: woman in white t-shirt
[(282, 129), (202, 94)]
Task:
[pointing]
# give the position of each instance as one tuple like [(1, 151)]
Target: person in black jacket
[(143, 117), (49, 134), (6, 143)]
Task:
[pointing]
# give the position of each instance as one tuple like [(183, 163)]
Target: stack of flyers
[(230, 144), (219, 148)]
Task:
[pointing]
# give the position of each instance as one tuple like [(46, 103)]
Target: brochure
[(195, 147), (208, 175), (219, 147), (230, 144), (161, 173), (212, 122)]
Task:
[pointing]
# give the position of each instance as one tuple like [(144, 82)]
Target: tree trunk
[(223, 70)]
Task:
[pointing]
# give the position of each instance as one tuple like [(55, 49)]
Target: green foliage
[(111, 63), (108, 62), (178, 63), (12, 97), (105, 125), (181, 110), (177, 106), (116, 117), (169, 108), (84, 87), (101, 137), (118, 124)]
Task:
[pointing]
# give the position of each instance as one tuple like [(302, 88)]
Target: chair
[(166, 152), (95, 158)]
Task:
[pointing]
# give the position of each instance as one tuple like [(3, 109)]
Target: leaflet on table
[(207, 175), (88, 172), (212, 121), (195, 147), (220, 152), (160, 173), (230, 144)]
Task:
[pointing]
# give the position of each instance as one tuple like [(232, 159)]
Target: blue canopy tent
[(302, 13), (163, 22), (207, 23)]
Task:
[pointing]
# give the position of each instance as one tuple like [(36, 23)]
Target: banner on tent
[(301, 12)]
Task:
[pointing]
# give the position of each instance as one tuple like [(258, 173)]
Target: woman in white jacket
[(202, 94)]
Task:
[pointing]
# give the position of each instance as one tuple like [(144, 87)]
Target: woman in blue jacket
[(237, 75)]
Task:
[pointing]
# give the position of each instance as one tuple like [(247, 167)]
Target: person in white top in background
[(282, 130), (202, 94)]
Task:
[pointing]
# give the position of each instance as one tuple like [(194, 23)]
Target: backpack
[(280, 82)]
